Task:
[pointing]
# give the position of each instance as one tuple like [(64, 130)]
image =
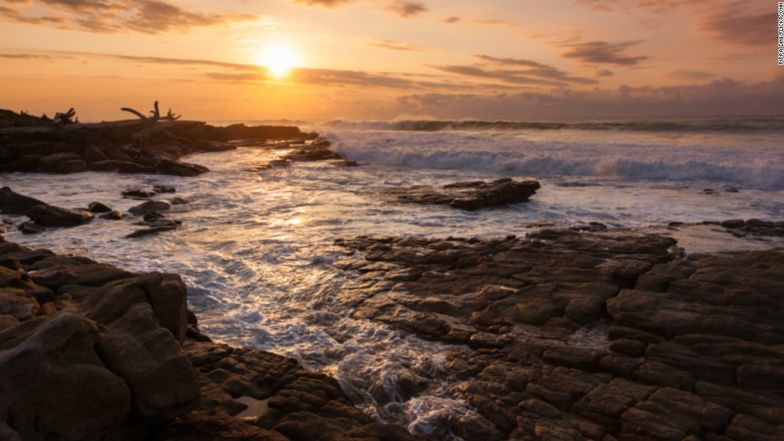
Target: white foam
[(726, 160)]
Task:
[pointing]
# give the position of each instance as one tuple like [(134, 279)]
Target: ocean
[(257, 245)]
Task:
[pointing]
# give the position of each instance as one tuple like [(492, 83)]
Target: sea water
[(257, 245)]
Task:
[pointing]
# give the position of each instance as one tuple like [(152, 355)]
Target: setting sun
[(279, 58)]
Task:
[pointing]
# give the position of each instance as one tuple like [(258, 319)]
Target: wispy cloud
[(251, 73), (394, 45), (719, 97), (114, 16), (405, 9), (515, 71), (325, 3), (733, 25), (602, 52)]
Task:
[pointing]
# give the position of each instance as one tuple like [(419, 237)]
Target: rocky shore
[(563, 335), (90, 351), (569, 335), (581, 333)]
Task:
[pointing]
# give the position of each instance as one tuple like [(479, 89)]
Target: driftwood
[(65, 118), (151, 122)]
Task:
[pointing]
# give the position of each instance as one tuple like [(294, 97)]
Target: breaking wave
[(717, 125), (759, 168)]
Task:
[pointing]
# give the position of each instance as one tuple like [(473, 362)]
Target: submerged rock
[(137, 193), (470, 196)]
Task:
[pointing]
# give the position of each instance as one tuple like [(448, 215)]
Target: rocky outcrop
[(587, 336), (89, 351), (471, 196), (34, 145)]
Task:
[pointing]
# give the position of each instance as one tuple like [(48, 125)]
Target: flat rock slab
[(575, 335), (470, 196)]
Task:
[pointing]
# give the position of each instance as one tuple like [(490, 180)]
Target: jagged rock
[(470, 196), (15, 203)]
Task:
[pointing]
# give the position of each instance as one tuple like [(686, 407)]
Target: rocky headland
[(150, 144)]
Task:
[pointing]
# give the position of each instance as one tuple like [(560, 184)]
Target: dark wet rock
[(50, 216), (155, 222), (97, 207), (153, 215), (470, 196), (164, 189), (136, 193), (178, 200), (111, 215), (41, 214), (30, 228), (317, 150), (149, 207), (587, 335), (15, 203), (348, 163), (152, 230)]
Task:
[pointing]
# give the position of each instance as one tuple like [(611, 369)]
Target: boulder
[(51, 216), (97, 207), (48, 368), (149, 207), (15, 203), (470, 196)]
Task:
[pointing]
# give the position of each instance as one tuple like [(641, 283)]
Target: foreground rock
[(89, 351), (31, 144), (40, 213), (470, 196), (586, 336)]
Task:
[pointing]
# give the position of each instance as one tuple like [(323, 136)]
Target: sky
[(392, 59)]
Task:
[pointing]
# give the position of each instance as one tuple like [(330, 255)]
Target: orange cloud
[(112, 16)]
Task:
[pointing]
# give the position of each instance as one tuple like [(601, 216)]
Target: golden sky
[(385, 59)]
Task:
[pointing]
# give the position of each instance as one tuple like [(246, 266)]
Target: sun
[(279, 58)]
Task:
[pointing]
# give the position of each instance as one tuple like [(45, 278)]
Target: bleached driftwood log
[(151, 123)]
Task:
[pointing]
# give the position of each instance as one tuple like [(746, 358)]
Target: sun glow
[(279, 58)]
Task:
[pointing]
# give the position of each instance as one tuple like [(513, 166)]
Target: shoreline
[(579, 333), (566, 379)]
